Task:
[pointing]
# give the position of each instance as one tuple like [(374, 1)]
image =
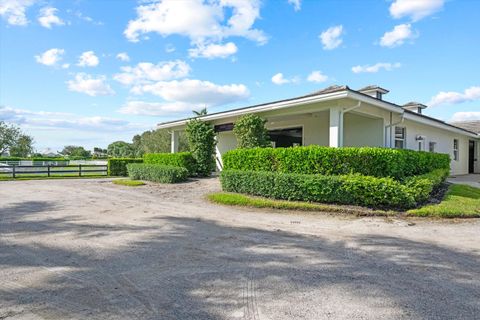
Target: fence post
[(13, 171), (79, 170), (48, 170)]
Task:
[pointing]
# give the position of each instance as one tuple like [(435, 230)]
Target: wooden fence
[(15, 171)]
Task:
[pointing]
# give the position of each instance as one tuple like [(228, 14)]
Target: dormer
[(374, 91), (414, 106)]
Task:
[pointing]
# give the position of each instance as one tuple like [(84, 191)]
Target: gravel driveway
[(88, 249)]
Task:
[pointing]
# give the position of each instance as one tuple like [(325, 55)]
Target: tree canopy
[(75, 151), (14, 141)]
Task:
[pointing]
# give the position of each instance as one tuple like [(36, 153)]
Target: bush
[(250, 132), (182, 159), (157, 172), (377, 162), (422, 186), (201, 139), (345, 189), (118, 166)]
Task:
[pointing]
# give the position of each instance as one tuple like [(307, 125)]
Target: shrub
[(377, 162), (344, 189), (157, 172), (182, 159), (118, 166), (250, 132), (422, 186), (201, 139)]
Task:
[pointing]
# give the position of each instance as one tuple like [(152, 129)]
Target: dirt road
[(88, 249)]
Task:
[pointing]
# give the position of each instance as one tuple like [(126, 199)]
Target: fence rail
[(53, 170)]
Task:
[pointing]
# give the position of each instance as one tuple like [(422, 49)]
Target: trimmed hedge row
[(181, 159), (377, 162), (423, 185), (157, 172), (118, 166), (353, 189)]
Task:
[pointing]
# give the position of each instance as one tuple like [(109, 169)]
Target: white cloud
[(376, 67), (90, 85), (213, 50), (452, 97), (331, 38), (156, 108), (415, 9), (123, 56), (48, 17), (169, 48), (195, 92), (317, 76), (465, 116), (145, 72), (297, 4), (204, 22), (88, 59), (279, 79), (397, 36), (50, 57), (14, 11), (37, 119)]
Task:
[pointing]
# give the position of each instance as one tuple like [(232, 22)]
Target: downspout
[(391, 125)]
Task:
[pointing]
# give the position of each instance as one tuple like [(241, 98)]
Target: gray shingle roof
[(472, 125)]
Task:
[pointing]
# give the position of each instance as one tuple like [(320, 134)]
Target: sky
[(90, 72)]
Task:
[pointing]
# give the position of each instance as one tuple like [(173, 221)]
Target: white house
[(339, 117)]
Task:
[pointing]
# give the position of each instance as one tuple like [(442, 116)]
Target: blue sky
[(89, 72)]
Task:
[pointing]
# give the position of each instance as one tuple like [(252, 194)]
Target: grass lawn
[(235, 199), (129, 183), (460, 201)]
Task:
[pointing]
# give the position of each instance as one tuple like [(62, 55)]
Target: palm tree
[(201, 112)]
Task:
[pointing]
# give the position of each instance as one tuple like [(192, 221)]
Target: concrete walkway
[(469, 179)]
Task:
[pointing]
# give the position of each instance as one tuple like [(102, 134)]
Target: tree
[(13, 140), (99, 152), (156, 141), (75, 151), (23, 147), (120, 149), (201, 112), (251, 132), (9, 134), (201, 140)]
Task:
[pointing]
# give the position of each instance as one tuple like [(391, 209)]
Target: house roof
[(472, 125), (334, 91), (415, 104), (373, 88)]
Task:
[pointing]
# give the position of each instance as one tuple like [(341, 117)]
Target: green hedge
[(422, 186), (354, 189), (118, 166), (157, 172), (377, 162), (181, 159)]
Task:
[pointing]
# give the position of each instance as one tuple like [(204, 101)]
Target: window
[(455, 149), (431, 146), (400, 137)]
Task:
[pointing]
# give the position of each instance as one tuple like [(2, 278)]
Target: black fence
[(80, 170)]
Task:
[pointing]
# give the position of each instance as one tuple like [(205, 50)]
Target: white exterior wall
[(361, 131), (444, 140)]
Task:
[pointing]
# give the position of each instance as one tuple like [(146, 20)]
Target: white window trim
[(395, 139), (456, 151)]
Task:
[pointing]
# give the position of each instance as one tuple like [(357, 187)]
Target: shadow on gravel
[(183, 268)]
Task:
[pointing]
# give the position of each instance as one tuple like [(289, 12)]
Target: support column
[(174, 141), (336, 127)]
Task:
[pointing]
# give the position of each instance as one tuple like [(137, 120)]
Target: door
[(471, 156)]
